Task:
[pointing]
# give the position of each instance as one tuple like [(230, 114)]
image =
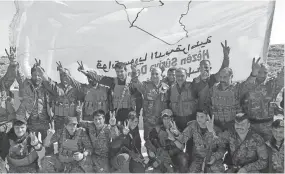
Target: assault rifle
[(138, 158)]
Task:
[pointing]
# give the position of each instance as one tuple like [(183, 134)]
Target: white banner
[(172, 33)]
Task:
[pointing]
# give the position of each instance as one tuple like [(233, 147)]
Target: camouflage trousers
[(122, 163), (263, 129), (52, 164), (197, 164), (32, 168), (101, 164)]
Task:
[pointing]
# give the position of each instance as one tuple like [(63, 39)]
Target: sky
[(7, 11)]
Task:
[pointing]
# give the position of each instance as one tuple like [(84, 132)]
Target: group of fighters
[(188, 126)]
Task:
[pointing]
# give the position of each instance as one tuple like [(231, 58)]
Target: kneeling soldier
[(74, 149), (20, 147)]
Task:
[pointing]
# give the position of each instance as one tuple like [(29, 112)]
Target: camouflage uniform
[(100, 141), (6, 95), (35, 105), (155, 101), (94, 97), (258, 107), (276, 155), (224, 104), (183, 104), (63, 161), (167, 154), (250, 154), (64, 100), (21, 156), (119, 88), (201, 87), (202, 137)]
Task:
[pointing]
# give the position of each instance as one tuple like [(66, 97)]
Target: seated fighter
[(275, 148), (247, 149), (20, 147), (125, 149), (165, 152), (208, 150), (100, 135), (74, 149)]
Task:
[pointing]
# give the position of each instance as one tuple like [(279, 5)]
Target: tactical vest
[(183, 104), (122, 91), (259, 102), (95, 99), (66, 104), (68, 147), (154, 101), (39, 109), (225, 104), (19, 154)]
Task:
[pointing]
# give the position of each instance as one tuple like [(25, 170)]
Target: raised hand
[(134, 67), (34, 139), (255, 67), (226, 49), (81, 67), (126, 128), (59, 66), (51, 129), (12, 54), (79, 107), (174, 129), (210, 123), (38, 63), (112, 120)]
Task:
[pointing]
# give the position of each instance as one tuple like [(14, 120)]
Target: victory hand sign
[(174, 128), (126, 129), (255, 67), (226, 49), (112, 120)]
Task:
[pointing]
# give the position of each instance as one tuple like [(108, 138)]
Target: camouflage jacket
[(63, 97), (224, 104), (5, 84), (276, 157), (84, 143), (201, 87), (202, 137), (257, 100), (35, 100), (100, 139), (155, 98), (250, 154)]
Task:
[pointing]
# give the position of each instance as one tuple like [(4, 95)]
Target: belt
[(258, 121)]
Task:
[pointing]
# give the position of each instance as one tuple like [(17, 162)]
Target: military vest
[(184, 103), (259, 101), (39, 107), (122, 96), (20, 155), (68, 146), (96, 98), (154, 101), (225, 104), (65, 104)]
